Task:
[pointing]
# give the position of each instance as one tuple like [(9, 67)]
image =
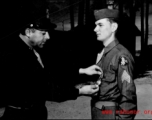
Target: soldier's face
[(103, 29), (38, 38)]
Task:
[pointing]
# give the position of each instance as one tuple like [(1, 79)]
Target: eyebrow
[(99, 23), (43, 31)]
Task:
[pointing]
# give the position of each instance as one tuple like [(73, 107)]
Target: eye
[(100, 25), (43, 33)]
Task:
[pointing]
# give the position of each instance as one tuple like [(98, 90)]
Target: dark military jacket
[(23, 79), (117, 81)]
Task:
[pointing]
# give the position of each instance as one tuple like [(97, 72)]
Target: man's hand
[(94, 69), (88, 89)]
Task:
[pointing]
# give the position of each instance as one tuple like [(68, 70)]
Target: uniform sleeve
[(128, 100), (67, 93), (6, 77)]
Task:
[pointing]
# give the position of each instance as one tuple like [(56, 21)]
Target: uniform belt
[(99, 104)]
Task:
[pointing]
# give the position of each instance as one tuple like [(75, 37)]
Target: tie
[(38, 58), (99, 56)]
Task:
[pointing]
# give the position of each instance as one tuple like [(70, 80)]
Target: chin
[(99, 39)]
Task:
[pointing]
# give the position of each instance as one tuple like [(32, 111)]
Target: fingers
[(95, 94), (97, 72), (98, 82), (95, 86), (95, 90), (89, 89), (98, 68)]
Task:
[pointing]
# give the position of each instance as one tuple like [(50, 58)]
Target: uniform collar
[(110, 46)]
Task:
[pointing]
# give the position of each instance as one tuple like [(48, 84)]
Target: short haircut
[(113, 20)]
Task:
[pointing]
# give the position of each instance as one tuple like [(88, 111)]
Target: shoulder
[(122, 55), (122, 51)]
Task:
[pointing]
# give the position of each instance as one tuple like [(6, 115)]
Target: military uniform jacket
[(117, 81)]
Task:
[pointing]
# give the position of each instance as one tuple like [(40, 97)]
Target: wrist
[(80, 91)]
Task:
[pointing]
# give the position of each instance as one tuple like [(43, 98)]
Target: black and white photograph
[(75, 59)]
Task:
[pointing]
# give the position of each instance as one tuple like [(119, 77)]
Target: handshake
[(90, 87)]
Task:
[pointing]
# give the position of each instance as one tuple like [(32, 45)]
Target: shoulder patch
[(123, 61), (125, 76)]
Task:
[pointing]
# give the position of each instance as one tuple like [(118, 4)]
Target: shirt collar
[(25, 41), (110, 46)]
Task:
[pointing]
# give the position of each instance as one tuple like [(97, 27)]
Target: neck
[(25, 39), (109, 40)]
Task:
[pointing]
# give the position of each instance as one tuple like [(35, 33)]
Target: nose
[(95, 29), (47, 36)]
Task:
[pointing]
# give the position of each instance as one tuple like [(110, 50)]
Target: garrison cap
[(106, 13)]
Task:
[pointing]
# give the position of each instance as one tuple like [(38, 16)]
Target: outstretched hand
[(88, 89), (94, 69)]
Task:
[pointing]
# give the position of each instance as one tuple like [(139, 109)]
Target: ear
[(114, 26), (27, 32)]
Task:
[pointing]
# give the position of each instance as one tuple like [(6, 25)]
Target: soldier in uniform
[(117, 97)]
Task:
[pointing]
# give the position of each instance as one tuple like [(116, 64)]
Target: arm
[(85, 90), (94, 69), (89, 76), (128, 99), (88, 89), (73, 92)]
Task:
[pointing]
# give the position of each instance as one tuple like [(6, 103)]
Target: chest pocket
[(109, 75), (110, 67)]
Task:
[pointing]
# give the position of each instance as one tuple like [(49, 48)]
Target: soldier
[(117, 91)]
